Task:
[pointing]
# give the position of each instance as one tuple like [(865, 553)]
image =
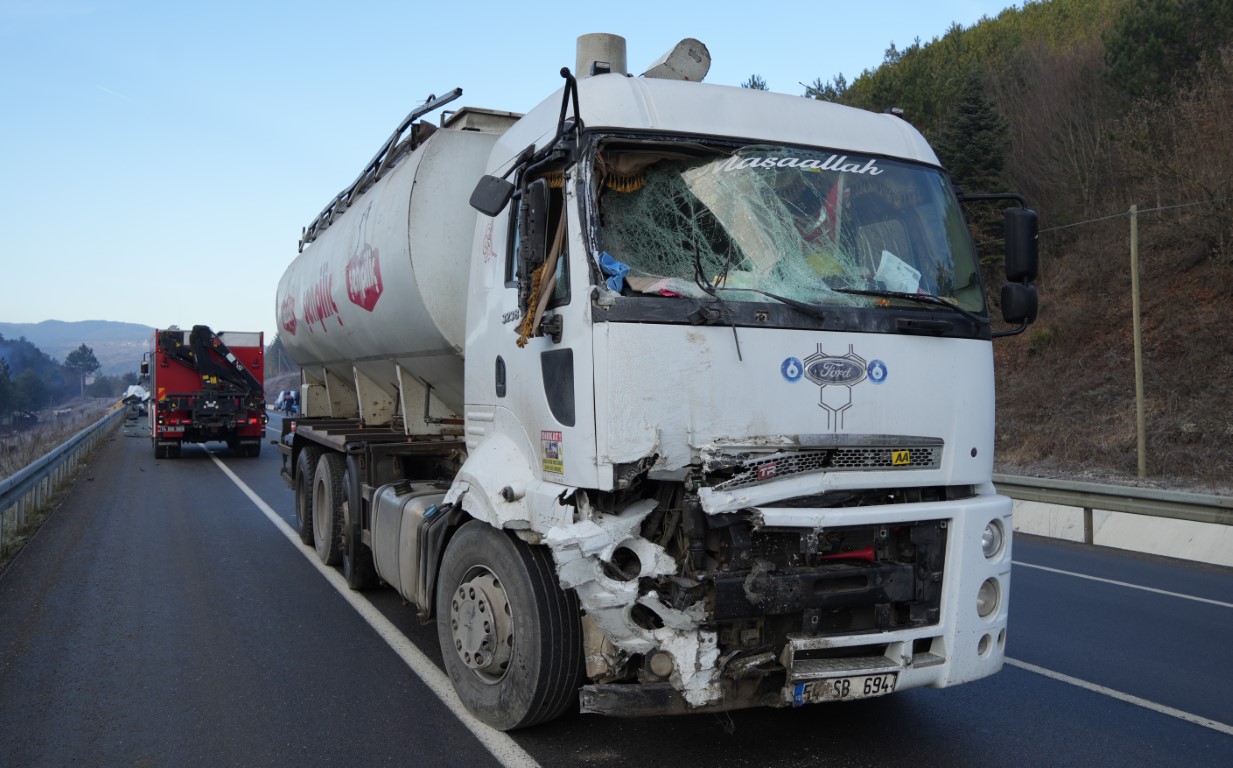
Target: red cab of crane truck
[(206, 387)]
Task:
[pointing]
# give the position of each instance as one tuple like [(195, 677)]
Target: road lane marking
[(500, 745), (1125, 584), (1126, 697)]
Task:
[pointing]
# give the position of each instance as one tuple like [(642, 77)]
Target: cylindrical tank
[(386, 283), (600, 47)]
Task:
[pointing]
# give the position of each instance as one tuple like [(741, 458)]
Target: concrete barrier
[(1184, 539)]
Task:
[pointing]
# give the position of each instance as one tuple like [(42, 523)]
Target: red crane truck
[(206, 386)]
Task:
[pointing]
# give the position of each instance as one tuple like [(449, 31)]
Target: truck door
[(539, 338)]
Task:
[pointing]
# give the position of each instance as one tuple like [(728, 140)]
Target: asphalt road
[(163, 616)]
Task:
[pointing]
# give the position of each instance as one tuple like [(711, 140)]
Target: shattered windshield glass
[(803, 224)]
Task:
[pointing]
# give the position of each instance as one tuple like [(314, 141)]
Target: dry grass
[(1066, 391), (19, 449)]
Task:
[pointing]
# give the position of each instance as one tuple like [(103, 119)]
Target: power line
[(1118, 215), (1141, 211)]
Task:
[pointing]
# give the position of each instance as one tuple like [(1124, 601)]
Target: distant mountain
[(118, 346)]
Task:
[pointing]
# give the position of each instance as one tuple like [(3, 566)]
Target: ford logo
[(834, 370)]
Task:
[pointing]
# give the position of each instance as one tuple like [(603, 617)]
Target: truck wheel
[(357, 563), (160, 452), (305, 471), (254, 450), (510, 637), (327, 507), (173, 450)]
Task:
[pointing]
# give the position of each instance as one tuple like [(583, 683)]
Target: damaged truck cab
[(724, 435)]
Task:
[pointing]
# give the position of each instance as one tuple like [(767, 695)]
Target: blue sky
[(158, 159)]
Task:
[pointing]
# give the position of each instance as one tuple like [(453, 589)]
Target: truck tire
[(510, 637), (160, 452), (357, 564), (253, 450), (305, 471), (327, 507)]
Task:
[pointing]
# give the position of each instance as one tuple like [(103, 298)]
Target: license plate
[(843, 688)]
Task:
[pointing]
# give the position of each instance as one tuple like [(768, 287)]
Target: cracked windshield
[(797, 223)]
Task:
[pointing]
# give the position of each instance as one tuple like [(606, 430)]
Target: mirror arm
[(1012, 332)]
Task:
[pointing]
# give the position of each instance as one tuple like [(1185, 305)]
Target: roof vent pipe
[(599, 53)]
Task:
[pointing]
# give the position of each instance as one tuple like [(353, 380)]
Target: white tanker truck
[(664, 397)]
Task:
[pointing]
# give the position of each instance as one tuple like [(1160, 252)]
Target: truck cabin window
[(800, 223)]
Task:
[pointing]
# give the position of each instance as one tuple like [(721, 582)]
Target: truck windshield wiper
[(713, 290), (919, 298), (808, 309)]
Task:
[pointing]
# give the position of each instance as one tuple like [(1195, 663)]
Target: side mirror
[(1019, 303), (145, 367), (1022, 245), (532, 230), (491, 195)]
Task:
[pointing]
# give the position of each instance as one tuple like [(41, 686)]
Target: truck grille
[(853, 459)]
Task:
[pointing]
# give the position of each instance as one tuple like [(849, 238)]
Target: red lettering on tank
[(319, 303), (286, 314), (364, 277), (363, 270)]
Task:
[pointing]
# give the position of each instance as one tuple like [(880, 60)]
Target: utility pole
[(1140, 417)]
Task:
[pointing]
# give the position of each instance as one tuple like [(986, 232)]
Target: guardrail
[(25, 492), (1176, 505)]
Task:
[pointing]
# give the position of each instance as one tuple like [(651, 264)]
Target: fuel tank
[(384, 283)]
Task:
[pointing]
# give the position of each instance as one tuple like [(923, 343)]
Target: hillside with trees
[(117, 346), (1087, 107), (32, 381)]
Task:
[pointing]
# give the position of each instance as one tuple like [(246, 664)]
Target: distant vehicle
[(135, 399), (207, 386)]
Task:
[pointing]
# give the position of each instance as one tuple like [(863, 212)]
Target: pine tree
[(6, 387), (975, 141), (756, 83), (1147, 47), (82, 362)]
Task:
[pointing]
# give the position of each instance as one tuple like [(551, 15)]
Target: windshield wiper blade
[(808, 309), (919, 298)]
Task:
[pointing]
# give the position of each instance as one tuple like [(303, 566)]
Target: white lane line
[(503, 748), (1126, 697), (1126, 584)]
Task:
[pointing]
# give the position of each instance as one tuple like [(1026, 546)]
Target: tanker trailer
[(373, 310), (664, 397)]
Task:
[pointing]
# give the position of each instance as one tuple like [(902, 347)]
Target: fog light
[(982, 647), (661, 664), (987, 598), (991, 539)]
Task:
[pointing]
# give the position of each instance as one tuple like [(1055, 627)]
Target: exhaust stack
[(600, 53)]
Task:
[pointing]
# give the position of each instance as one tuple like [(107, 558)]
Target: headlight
[(991, 539), (987, 598)]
